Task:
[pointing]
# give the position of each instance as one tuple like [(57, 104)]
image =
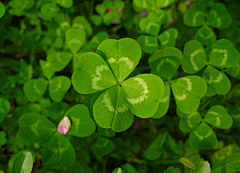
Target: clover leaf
[(2, 9), (22, 162), (195, 16), (201, 166), (115, 107), (75, 38), (205, 35), (5, 107)]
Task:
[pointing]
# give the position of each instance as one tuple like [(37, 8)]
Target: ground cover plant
[(119, 86)]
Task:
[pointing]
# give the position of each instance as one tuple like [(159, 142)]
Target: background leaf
[(168, 37), (195, 16), (201, 167), (102, 146), (46, 68), (205, 35), (65, 3), (4, 108), (75, 38), (148, 43), (59, 60)]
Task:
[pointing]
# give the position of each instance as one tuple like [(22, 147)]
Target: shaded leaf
[(65, 3), (205, 35), (4, 108), (46, 68), (195, 16), (102, 146)]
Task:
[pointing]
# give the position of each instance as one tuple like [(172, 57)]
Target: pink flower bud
[(64, 125)]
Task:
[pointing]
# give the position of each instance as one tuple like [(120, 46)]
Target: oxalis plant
[(118, 86)]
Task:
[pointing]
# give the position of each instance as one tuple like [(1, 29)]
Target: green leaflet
[(75, 38), (205, 35), (57, 110), (2, 9), (194, 57), (102, 146), (34, 128), (105, 132), (218, 83), (127, 168), (164, 102), (122, 55), (58, 87), (3, 139), (228, 165), (46, 68), (117, 170), (150, 4), (150, 25), (234, 71), (195, 16), (162, 15), (65, 3), (82, 23), (163, 3), (50, 9), (59, 60), (35, 88), (202, 137), (188, 91), (92, 74), (218, 17), (218, 117), (171, 169), (58, 43), (82, 124), (58, 152), (112, 111), (143, 92), (201, 166), (166, 62), (96, 20), (168, 37), (148, 43), (4, 108), (97, 39), (22, 162), (223, 54), (188, 121)]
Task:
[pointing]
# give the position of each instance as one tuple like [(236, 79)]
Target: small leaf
[(92, 74), (162, 15), (22, 162), (202, 137), (229, 164), (57, 110), (2, 9), (165, 62), (34, 128), (194, 57), (102, 146), (143, 93), (223, 54), (64, 125), (117, 170), (218, 17), (75, 38), (65, 3), (163, 3), (218, 117), (97, 39), (190, 122), (186, 162), (195, 16), (82, 124), (58, 87), (201, 166), (50, 9), (168, 37), (46, 68), (111, 110), (35, 88), (217, 81), (171, 169), (150, 25), (205, 35), (171, 148), (58, 152), (164, 102), (234, 71), (127, 168), (59, 60), (187, 92), (5, 107), (106, 132), (122, 55), (82, 23), (148, 43), (3, 139)]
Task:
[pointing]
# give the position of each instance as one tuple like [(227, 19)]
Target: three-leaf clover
[(222, 55), (202, 135), (106, 71), (187, 90)]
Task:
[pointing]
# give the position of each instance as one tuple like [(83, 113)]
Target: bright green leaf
[(96, 20), (58, 152), (75, 38), (194, 57), (82, 23), (143, 93), (4, 108), (150, 25), (188, 91), (111, 110), (234, 71), (50, 9), (205, 35), (58, 87), (195, 16), (117, 170), (166, 62), (163, 3), (46, 68), (148, 43), (2, 9), (122, 55), (82, 124), (35, 88), (218, 17), (59, 60), (65, 3), (201, 166), (168, 37), (202, 137), (92, 74), (22, 162), (34, 128), (162, 15), (218, 117)]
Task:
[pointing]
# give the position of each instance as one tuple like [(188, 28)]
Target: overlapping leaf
[(195, 16), (59, 60), (168, 37), (148, 43), (22, 162), (75, 38), (205, 35)]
